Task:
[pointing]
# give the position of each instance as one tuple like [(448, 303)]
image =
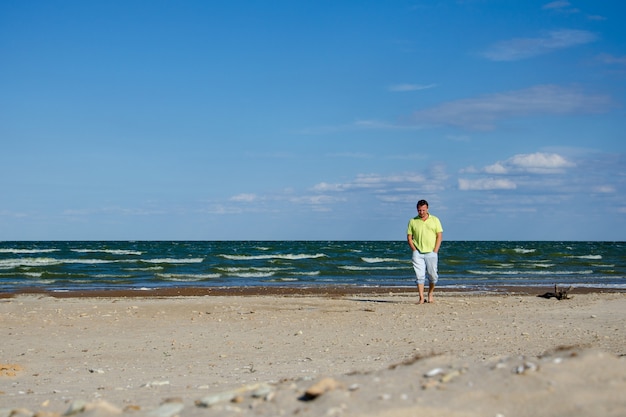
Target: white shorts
[(423, 264)]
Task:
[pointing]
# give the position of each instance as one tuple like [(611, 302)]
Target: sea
[(58, 266)]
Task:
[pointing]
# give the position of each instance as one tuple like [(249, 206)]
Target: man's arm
[(438, 242), (409, 238)]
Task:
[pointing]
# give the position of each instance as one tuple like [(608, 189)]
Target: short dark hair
[(422, 203)]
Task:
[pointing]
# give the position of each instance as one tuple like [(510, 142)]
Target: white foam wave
[(33, 279), (88, 261), (109, 251), (522, 250), (371, 268), (290, 257), (27, 251), (586, 272), (540, 265), (188, 277), (379, 260), (587, 257), (42, 262), (600, 285), (149, 268), (109, 276), (234, 270), (173, 261), (253, 274)]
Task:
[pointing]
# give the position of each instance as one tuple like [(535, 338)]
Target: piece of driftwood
[(559, 293)]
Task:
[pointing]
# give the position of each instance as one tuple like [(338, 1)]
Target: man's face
[(422, 211)]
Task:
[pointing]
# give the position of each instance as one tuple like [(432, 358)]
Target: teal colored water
[(60, 266)]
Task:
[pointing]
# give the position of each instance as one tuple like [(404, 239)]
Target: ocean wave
[(113, 276), (586, 256), (522, 250), (379, 260), (173, 261), (595, 285), (148, 268), (102, 265), (234, 270), (371, 268), (517, 272), (43, 262), (188, 277), (503, 265), (539, 265), (109, 251), (253, 274), (27, 251), (290, 257), (34, 282)]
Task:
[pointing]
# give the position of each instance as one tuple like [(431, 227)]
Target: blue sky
[(245, 120)]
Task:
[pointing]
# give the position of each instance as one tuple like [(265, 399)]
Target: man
[(424, 235)]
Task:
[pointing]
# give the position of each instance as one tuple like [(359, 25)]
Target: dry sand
[(376, 354)]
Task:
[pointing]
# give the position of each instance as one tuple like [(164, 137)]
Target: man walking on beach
[(424, 235)]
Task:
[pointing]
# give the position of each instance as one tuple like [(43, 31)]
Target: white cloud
[(316, 199), (482, 113), (324, 187), (522, 48), (542, 163), (496, 168), (604, 189), (244, 198), (611, 59), (378, 124), (556, 5), (534, 163), (566, 7), (220, 209), (561, 7), (469, 170), (410, 87), (514, 168), (483, 184), (369, 181)]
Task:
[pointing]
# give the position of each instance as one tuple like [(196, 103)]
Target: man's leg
[(419, 266), (433, 275), (431, 290), (420, 290)]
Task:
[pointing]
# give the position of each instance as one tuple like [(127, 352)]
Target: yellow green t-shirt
[(424, 233)]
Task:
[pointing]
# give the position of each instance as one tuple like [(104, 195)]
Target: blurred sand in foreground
[(314, 355)]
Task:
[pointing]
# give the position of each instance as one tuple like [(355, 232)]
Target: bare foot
[(421, 301), (431, 300)]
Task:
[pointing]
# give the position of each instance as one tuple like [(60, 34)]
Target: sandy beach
[(317, 353)]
